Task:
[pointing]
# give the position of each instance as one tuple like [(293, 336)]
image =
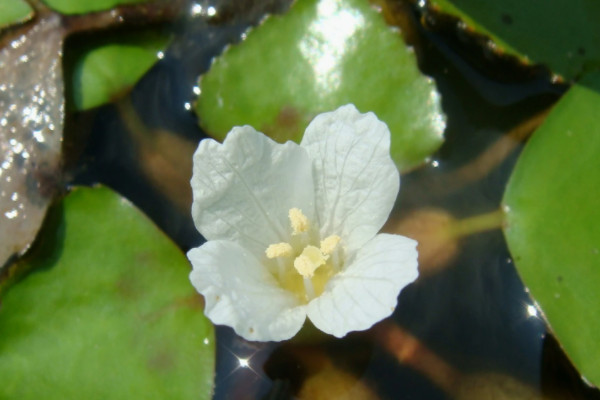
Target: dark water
[(473, 318)]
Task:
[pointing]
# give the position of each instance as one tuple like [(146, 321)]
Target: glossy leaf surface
[(553, 218), (318, 56)]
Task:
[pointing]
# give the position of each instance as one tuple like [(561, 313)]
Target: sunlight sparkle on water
[(531, 311), (244, 362), (196, 9)]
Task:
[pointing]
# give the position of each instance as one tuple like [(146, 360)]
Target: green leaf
[(107, 312), (82, 7), (317, 57), (14, 11), (562, 34), (553, 221), (104, 73)]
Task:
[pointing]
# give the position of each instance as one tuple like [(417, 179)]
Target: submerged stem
[(489, 159), (476, 224), (165, 157), (499, 150)]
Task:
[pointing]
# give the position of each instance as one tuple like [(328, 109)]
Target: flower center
[(310, 259), (302, 267)]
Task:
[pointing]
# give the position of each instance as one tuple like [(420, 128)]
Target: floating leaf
[(553, 218), (14, 11), (539, 32), (104, 73), (318, 56), (106, 312), (80, 7)]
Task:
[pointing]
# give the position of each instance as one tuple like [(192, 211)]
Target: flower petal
[(239, 292), (356, 181), (247, 185), (366, 291)]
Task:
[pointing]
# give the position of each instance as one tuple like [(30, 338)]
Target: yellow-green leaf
[(14, 11), (105, 73)]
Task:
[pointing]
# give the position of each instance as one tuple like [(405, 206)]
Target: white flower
[(292, 229)]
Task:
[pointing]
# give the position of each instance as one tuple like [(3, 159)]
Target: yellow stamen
[(329, 244), (310, 259), (282, 249), (298, 221)]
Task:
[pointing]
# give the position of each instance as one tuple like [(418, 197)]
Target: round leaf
[(107, 312), (105, 73), (320, 55), (14, 11), (553, 222)]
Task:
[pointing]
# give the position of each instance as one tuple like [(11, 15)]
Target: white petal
[(239, 292), (367, 290), (356, 181), (244, 188)]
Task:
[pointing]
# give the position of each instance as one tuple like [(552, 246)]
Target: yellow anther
[(329, 244), (282, 249), (298, 221), (310, 259)]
